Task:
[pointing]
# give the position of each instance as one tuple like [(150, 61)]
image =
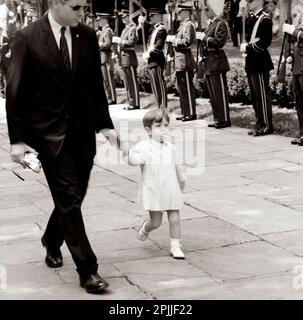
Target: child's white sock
[(175, 249)]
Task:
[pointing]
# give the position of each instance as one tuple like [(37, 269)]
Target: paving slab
[(277, 287), (203, 233), (244, 261)]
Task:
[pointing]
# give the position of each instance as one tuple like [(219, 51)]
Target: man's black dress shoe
[(93, 283), (262, 133), (212, 124), (297, 141), (112, 102), (132, 108), (53, 258), (180, 118), (224, 124), (190, 118)]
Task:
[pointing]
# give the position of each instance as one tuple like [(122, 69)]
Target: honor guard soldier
[(296, 30), (105, 36), (155, 58), (184, 61), (258, 65), (216, 66), (128, 59)]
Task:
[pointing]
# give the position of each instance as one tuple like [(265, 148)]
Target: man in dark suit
[(296, 31), (55, 104), (258, 65), (155, 58), (216, 66)]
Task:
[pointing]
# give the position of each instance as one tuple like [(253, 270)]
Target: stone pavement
[(242, 226)]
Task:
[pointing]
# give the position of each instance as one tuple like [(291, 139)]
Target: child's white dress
[(160, 175)]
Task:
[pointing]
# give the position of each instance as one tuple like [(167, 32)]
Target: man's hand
[(18, 151), (116, 40), (288, 28), (200, 35), (112, 136)]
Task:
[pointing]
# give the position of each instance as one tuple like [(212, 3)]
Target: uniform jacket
[(105, 37), (129, 39), (258, 58), (45, 101), (184, 38), (298, 51), (214, 41), (156, 44)]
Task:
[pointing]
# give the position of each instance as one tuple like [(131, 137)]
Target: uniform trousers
[(67, 176), (298, 90), (158, 85), (217, 89), (132, 87), (261, 100), (109, 82), (186, 92)]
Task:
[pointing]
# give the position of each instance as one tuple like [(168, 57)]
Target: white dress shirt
[(56, 28)]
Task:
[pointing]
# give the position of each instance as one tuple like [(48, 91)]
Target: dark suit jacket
[(4, 49), (214, 41), (44, 101)]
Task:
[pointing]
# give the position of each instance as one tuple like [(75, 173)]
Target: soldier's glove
[(141, 19), (288, 28), (170, 38), (200, 35), (243, 47), (145, 55), (289, 59), (116, 40)]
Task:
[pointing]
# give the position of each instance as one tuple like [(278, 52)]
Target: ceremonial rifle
[(170, 49), (143, 28), (286, 48), (200, 47), (243, 12), (116, 32)]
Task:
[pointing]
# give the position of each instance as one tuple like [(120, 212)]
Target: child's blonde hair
[(155, 115)]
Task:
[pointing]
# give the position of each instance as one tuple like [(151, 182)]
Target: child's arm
[(181, 175)]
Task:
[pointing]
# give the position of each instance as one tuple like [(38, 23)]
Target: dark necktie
[(64, 50)]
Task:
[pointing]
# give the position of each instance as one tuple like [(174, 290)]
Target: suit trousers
[(298, 90), (217, 89), (109, 82), (186, 92), (132, 87), (67, 176), (261, 100), (158, 85)]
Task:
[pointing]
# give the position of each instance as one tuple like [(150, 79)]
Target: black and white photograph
[(151, 150)]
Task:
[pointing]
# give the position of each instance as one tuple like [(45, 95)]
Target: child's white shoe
[(142, 234), (176, 252)]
